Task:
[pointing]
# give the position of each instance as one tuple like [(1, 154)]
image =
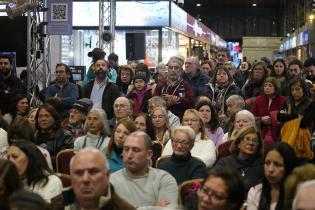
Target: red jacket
[(183, 90), (260, 108)]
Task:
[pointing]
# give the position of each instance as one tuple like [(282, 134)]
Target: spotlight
[(14, 10)]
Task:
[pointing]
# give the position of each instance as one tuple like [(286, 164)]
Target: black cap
[(97, 53)]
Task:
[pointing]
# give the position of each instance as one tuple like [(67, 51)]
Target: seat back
[(63, 160), (223, 150), (157, 148), (186, 188), (161, 159)]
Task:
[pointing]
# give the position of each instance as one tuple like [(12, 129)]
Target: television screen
[(13, 38)]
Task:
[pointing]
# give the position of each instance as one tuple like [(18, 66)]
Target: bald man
[(305, 196), (90, 183)]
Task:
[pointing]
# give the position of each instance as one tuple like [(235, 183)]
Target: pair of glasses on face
[(250, 141), (211, 194), (182, 143)]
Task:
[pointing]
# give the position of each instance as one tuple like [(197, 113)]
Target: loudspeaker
[(107, 36), (135, 46)]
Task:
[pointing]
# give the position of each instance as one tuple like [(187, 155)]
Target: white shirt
[(97, 93)]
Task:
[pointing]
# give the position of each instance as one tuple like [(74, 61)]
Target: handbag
[(298, 138)]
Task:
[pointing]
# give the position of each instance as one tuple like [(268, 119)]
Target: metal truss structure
[(38, 61), (107, 18)]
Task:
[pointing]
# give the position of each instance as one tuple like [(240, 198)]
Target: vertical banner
[(59, 17)]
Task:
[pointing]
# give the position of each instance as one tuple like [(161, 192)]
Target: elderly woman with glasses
[(246, 156), (203, 148), (182, 166)]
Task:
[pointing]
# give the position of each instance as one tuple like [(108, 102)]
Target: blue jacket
[(115, 161)]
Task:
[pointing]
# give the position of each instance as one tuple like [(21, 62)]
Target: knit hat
[(81, 106), (97, 53), (140, 75)]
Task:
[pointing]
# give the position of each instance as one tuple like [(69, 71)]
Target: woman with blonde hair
[(203, 148), (161, 124)]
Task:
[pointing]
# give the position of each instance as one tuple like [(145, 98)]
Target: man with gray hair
[(177, 92), (138, 183), (90, 183), (305, 196), (157, 101), (194, 76)]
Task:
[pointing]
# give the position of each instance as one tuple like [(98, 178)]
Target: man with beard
[(77, 117), (10, 85), (101, 90), (177, 92)]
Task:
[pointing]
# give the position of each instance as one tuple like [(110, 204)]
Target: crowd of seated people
[(228, 137)]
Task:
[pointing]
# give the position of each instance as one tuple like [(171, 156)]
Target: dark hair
[(25, 200), (288, 155), (53, 112), (309, 62), (226, 51), (131, 127), (59, 106), (37, 168), (2, 56), (285, 70), (15, 100), (20, 128), (217, 69), (214, 123), (263, 64), (141, 67), (67, 69), (301, 82), (113, 57), (235, 186), (9, 177), (296, 62), (148, 122), (206, 62)]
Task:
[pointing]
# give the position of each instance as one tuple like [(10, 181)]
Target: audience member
[(203, 147), (25, 200), (9, 182), (62, 88), (97, 131), (101, 90), (125, 77), (143, 123), (210, 121), (90, 183), (138, 183), (279, 162), (194, 76), (222, 189), (161, 125), (114, 149), (246, 157), (35, 173), (156, 101), (305, 196), (10, 85), (181, 165), (18, 107)]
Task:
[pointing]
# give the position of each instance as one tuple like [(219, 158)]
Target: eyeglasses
[(194, 120), (174, 67), (182, 143), (252, 141), (211, 194), (121, 106), (188, 63)]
